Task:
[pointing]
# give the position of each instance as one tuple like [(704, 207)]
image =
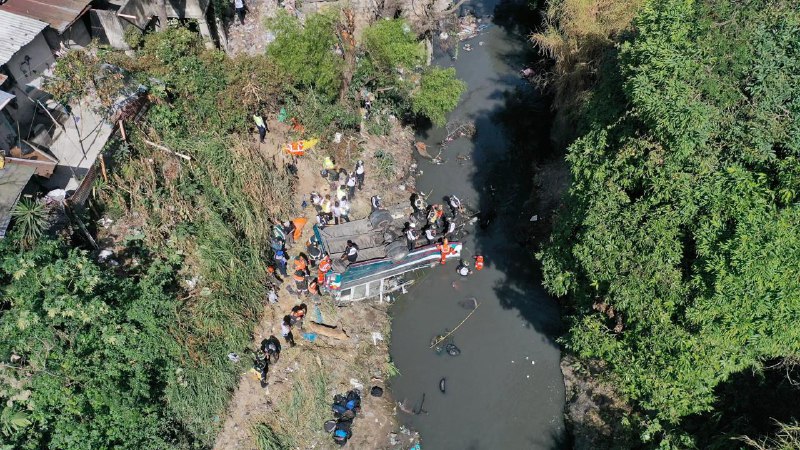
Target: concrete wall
[(109, 28), (77, 34), (27, 67), (8, 134)]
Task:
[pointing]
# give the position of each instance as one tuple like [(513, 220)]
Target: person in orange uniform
[(324, 267), (444, 248), (478, 262), (300, 263)]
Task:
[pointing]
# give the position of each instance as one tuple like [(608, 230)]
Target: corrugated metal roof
[(16, 32), (60, 14), (5, 98)]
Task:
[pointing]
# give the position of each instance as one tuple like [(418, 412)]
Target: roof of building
[(6, 98), (13, 178), (16, 32), (59, 14)]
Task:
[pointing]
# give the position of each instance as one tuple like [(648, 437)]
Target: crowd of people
[(335, 209)]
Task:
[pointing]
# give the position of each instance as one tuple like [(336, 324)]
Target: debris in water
[(442, 384)]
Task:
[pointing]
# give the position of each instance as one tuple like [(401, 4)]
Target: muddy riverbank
[(505, 389)]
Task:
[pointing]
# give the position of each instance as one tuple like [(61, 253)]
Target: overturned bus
[(383, 255)]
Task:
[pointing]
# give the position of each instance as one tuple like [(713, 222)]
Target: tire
[(380, 218), (397, 250)]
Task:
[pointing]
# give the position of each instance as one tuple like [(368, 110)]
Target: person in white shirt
[(350, 252), (430, 234), (351, 185), (344, 209), (337, 213)]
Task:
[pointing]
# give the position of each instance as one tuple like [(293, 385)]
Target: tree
[(679, 245), (437, 94)]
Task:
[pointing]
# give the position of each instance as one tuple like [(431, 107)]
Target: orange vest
[(299, 263), (478, 262), (298, 277), (324, 267)]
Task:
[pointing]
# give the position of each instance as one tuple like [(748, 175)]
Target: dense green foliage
[(683, 216), (306, 53), (438, 94), (390, 45), (86, 348), (131, 353), (138, 360)]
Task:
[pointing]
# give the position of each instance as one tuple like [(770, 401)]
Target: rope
[(438, 341)]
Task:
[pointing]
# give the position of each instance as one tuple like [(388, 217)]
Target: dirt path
[(252, 37), (357, 360)]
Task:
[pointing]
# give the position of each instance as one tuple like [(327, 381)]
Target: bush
[(438, 94), (391, 45), (306, 53)]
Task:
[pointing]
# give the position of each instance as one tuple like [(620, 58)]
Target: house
[(110, 21), (57, 144)]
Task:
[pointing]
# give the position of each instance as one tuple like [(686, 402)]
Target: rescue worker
[(300, 263), (442, 252), (411, 235), (325, 206), (324, 267), (417, 202), (261, 125), (450, 227), (444, 248), (463, 269), (377, 203), (455, 204), (430, 234), (478, 262), (300, 282), (314, 252)]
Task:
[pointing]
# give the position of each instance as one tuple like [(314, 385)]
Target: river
[(505, 390)]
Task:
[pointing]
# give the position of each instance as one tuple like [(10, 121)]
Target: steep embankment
[(678, 248)]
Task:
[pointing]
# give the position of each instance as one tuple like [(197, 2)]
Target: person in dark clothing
[(261, 125), (360, 174), (238, 5), (280, 259), (350, 252), (411, 236), (286, 330)]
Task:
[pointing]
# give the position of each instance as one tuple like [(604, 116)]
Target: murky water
[(505, 390)]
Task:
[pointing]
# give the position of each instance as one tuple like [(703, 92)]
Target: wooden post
[(122, 131), (103, 168)]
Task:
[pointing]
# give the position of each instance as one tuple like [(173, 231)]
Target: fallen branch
[(438, 341), (161, 147), (326, 330)]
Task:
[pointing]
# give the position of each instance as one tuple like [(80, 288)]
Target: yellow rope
[(454, 329)]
